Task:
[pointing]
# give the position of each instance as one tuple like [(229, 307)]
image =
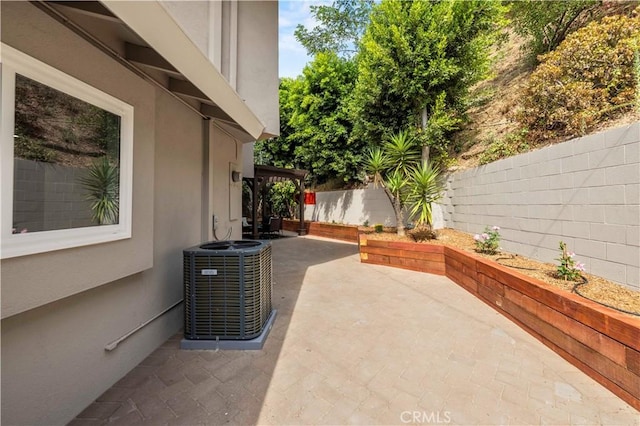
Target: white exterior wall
[(352, 207), (257, 63), (585, 192), (60, 309), (357, 206)]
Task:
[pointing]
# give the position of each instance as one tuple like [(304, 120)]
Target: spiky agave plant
[(426, 188), (376, 165), (403, 151), (102, 184)]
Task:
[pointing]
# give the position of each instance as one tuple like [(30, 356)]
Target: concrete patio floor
[(363, 344)]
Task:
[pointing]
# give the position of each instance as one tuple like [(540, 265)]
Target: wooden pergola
[(262, 175)]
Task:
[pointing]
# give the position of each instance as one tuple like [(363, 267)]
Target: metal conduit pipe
[(63, 19), (111, 346), (47, 8)]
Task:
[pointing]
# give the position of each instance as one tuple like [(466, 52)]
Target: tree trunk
[(397, 209), (399, 216), (425, 147)]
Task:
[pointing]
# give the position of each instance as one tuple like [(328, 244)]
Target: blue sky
[(292, 56)]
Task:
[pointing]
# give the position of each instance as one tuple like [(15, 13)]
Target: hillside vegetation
[(587, 84), (467, 81)]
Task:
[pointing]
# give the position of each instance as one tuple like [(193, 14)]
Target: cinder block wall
[(352, 207), (357, 207), (49, 196), (585, 192)]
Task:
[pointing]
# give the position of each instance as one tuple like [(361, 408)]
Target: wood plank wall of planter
[(602, 342), (327, 230), (294, 225)]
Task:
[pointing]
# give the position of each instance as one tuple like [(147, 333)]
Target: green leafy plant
[(489, 241), (512, 144), (378, 228), (547, 23), (282, 198), (416, 63), (568, 269), (426, 189), (102, 184), (406, 180), (366, 224)]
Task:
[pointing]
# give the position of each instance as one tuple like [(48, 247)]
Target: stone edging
[(602, 342)]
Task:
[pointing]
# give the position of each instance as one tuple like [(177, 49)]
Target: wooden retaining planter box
[(293, 225), (327, 230), (603, 343)]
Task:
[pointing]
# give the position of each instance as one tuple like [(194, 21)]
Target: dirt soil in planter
[(597, 288)]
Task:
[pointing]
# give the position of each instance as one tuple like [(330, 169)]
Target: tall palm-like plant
[(102, 184), (405, 179), (376, 165), (390, 168), (403, 151), (426, 189)]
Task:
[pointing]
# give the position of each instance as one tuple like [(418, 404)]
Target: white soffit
[(151, 21)]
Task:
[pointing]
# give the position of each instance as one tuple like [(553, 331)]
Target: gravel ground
[(597, 288)]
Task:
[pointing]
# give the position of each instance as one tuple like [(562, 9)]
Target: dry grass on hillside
[(498, 98)]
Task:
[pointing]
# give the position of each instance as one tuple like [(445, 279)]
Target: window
[(65, 158)]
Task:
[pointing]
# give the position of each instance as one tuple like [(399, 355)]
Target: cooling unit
[(227, 295)]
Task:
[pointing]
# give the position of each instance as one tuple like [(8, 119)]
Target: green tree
[(340, 27), (547, 23), (279, 151), (416, 63), (315, 123)]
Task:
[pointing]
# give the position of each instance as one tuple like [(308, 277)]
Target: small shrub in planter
[(378, 228), (489, 241), (422, 233), (568, 269)]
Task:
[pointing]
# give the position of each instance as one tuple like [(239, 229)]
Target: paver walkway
[(363, 344)]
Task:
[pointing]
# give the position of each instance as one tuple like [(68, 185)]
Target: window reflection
[(66, 161)]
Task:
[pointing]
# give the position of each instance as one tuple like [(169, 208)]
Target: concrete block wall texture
[(352, 207), (49, 196), (585, 192)]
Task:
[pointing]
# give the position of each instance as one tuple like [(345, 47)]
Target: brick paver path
[(363, 344)]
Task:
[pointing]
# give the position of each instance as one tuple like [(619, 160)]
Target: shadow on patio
[(363, 344)]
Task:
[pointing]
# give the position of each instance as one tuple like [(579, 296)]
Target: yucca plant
[(403, 151), (376, 165), (426, 189), (406, 180), (102, 184), (389, 167)]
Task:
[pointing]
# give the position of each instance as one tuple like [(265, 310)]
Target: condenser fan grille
[(227, 290)]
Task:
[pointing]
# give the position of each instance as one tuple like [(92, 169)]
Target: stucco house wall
[(62, 308)]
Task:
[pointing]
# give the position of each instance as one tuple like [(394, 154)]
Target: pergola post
[(265, 174), (302, 230)]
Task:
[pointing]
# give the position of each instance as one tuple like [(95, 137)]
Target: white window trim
[(13, 245)]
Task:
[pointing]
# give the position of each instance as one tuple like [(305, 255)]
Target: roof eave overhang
[(151, 21)]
